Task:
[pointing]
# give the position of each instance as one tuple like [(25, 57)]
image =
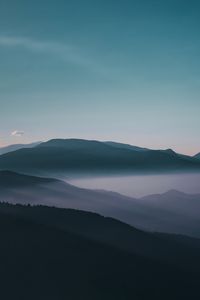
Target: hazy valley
[(91, 230)]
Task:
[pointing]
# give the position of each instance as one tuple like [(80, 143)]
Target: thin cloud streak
[(66, 53), (17, 133)]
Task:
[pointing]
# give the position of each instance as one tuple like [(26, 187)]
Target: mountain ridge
[(14, 147), (74, 157), (65, 261), (171, 212)]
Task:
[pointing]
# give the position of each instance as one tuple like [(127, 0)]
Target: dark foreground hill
[(172, 212), (74, 157), (49, 253)]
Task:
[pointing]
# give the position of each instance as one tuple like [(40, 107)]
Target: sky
[(127, 71)]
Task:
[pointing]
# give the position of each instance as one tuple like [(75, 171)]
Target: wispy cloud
[(17, 133), (66, 53)]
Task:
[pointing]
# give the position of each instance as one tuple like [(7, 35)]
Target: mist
[(142, 185)]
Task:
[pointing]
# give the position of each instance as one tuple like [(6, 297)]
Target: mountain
[(15, 147), (73, 157), (125, 146), (10, 180), (176, 200), (197, 156), (107, 230), (172, 212), (18, 188), (49, 253)]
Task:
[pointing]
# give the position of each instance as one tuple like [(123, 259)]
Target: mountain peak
[(174, 192), (72, 142), (170, 151)]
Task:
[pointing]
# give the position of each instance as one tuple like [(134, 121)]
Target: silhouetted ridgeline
[(172, 212), (74, 157), (49, 253)]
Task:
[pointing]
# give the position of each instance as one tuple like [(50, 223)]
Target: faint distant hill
[(171, 212), (15, 147), (82, 157), (49, 253)]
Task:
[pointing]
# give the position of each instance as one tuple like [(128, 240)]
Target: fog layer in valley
[(142, 185), (171, 212)]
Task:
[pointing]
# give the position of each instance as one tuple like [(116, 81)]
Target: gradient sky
[(110, 70)]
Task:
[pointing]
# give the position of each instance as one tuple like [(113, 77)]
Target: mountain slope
[(77, 157), (10, 180), (171, 212), (112, 232), (197, 156), (41, 260), (15, 147), (125, 146)]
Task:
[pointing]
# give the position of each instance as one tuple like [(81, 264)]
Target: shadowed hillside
[(50, 253), (172, 212), (75, 157)]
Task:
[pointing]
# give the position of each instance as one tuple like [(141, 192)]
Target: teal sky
[(110, 70)]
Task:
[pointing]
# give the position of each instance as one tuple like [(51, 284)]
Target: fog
[(172, 212), (142, 185)]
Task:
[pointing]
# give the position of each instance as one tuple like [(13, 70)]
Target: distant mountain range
[(74, 157), (15, 147), (59, 241), (173, 212), (50, 253)]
